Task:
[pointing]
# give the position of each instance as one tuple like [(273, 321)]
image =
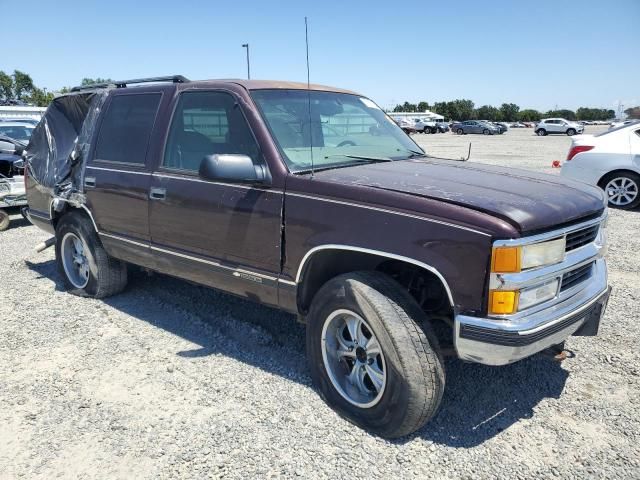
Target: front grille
[(579, 238), (574, 277)]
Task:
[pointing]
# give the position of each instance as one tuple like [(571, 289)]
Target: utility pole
[(246, 45)]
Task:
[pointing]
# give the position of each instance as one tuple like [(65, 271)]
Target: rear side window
[(126, 127)]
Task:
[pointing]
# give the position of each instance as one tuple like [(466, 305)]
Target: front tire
[(459, 131), (571, 132), (373, 355), (486, 132), (85, 266)]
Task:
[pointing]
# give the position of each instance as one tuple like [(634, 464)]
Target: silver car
[(474, 126)]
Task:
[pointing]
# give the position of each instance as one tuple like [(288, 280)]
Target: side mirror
[(237, 168)]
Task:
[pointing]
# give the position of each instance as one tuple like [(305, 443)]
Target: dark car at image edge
[(312, 200)]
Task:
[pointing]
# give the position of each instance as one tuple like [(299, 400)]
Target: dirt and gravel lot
[(519, 147), (173, 380)]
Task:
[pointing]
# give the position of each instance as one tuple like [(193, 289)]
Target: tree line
[(18, 89), (464, 109), (633, 112)]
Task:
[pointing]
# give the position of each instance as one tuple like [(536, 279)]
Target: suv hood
[(530, 201)]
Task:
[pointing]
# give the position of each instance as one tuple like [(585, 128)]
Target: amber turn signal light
[(503, 302), (506, 260)]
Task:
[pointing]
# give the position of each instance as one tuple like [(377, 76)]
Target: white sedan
[(610, 160)]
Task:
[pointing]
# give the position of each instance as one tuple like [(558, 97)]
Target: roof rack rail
[(124, 83)]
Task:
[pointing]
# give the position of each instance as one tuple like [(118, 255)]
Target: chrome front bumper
[(493, 341)]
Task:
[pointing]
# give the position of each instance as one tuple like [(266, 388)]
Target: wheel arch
[(56, 212), (612, 173), (324, 262)]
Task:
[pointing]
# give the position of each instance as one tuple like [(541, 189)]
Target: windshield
[(22, 132), (343, 129)]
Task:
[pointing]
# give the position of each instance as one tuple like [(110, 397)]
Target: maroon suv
[(314, 201)]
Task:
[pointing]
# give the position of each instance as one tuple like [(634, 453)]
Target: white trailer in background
[(20, 112)]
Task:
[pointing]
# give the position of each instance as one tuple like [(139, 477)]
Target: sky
[(538, 54)]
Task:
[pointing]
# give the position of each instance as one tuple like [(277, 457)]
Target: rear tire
[(622, 189), (4, 220), (391, 388), (85, 266), (434, 131), (486, 131), (541, 132)]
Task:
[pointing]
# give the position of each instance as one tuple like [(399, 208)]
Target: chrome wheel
[(621, 191), (74, 260), (353, 358)]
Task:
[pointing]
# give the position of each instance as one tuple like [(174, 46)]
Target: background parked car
[(443, 127), (609, 160), (16, 130), (10, 151), (425, 125), (474, 126), (29, 121), (558, 125), (503, 127), (407, 126), (620, 124)]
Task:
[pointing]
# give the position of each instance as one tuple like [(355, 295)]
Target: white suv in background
[(558, 125)]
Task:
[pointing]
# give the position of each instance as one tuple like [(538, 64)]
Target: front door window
[(207, 123)]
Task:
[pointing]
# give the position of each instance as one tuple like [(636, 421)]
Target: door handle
[(158, 193), (90, 182)]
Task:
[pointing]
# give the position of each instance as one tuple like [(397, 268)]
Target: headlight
[(506, 302), (601, 238), (516, 259), (535, 295)]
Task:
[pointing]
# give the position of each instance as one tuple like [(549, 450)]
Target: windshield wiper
[(333, 166), (362, 157), (416, 154)]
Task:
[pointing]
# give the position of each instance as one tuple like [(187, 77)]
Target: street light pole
[(246, 45)]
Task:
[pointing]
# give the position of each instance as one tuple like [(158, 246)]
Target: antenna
[(306, 37)]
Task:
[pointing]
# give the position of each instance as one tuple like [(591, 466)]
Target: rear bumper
[(500, 342)]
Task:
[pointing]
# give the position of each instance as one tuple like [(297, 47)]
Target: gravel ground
[(173, 380), (519, 147)]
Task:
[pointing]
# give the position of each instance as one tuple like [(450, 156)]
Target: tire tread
[(111, 275), (429, 371)]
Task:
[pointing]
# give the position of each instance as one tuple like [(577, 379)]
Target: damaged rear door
[(118, 176)]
